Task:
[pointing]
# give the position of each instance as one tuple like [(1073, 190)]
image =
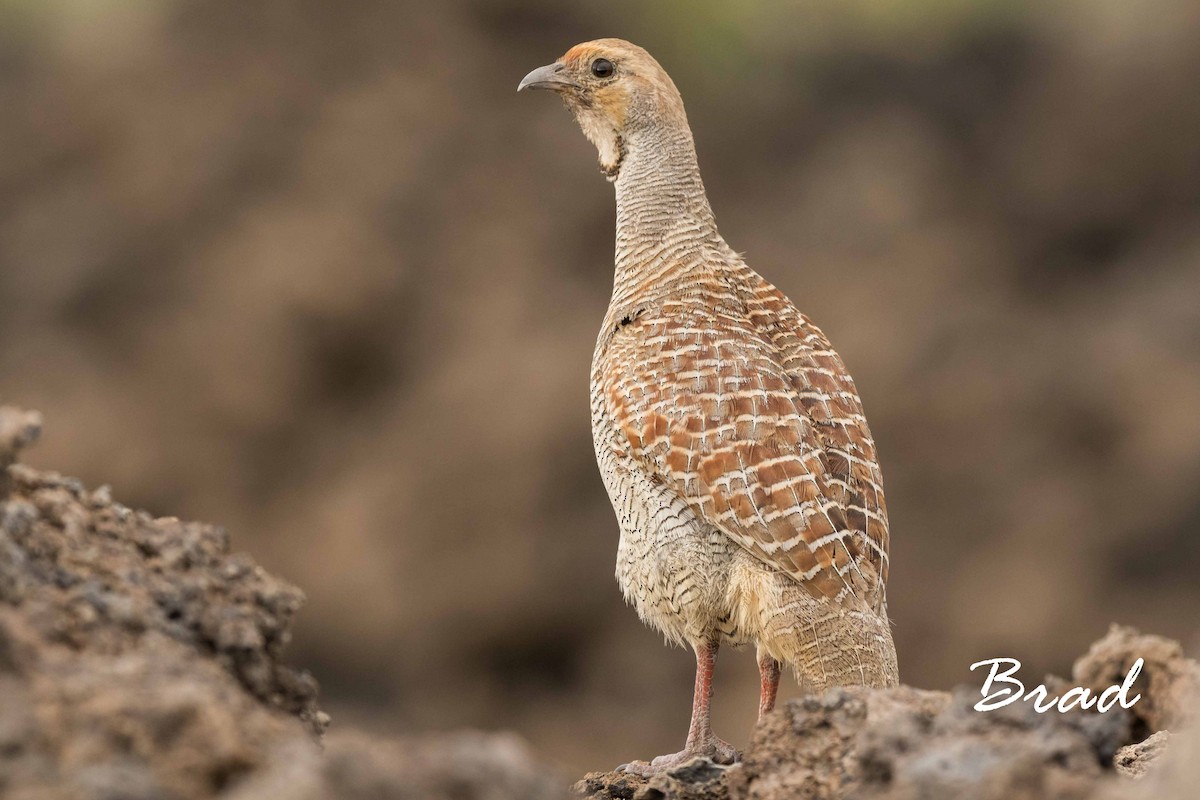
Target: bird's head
[(617, 92)]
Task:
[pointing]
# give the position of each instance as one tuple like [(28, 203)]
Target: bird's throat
[(600, 131), (611, 161)]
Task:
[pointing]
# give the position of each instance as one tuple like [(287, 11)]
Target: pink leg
[(700, 739), (768, 673)]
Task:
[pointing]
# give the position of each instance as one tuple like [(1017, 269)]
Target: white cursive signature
[(1013, 690)]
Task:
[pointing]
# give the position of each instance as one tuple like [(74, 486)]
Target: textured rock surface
[(698, 780), (1173, 777), (1133, 760), (135, 653), (140, 659), (1169, 684), (908, 744), (904, 743)]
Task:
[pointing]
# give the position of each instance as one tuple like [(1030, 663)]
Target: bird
[(729, 435)]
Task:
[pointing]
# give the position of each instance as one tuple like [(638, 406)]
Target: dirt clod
[(1133, 760), (1169, 682), (699, 779)]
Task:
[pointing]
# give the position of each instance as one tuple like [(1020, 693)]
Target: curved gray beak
[(547, 77)]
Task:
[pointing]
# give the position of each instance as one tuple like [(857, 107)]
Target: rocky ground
[(909, 744), (140, 658)]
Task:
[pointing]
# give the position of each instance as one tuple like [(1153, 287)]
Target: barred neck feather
[(665, 226)]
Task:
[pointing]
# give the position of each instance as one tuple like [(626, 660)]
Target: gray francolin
[(728, 432)]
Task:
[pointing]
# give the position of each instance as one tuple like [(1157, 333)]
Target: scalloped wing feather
[(738, 403)]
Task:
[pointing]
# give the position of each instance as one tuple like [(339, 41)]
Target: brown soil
[(139, 658)]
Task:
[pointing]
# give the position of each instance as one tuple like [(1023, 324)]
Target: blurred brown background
[(314, 271)]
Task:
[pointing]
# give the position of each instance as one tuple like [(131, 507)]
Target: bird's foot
[(719, 750)]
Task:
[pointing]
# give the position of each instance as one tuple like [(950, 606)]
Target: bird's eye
[(603, 68)]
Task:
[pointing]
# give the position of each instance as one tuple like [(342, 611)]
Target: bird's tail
[(826, 643)]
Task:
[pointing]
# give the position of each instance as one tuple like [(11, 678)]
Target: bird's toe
[(722, 752), (715, 750)]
